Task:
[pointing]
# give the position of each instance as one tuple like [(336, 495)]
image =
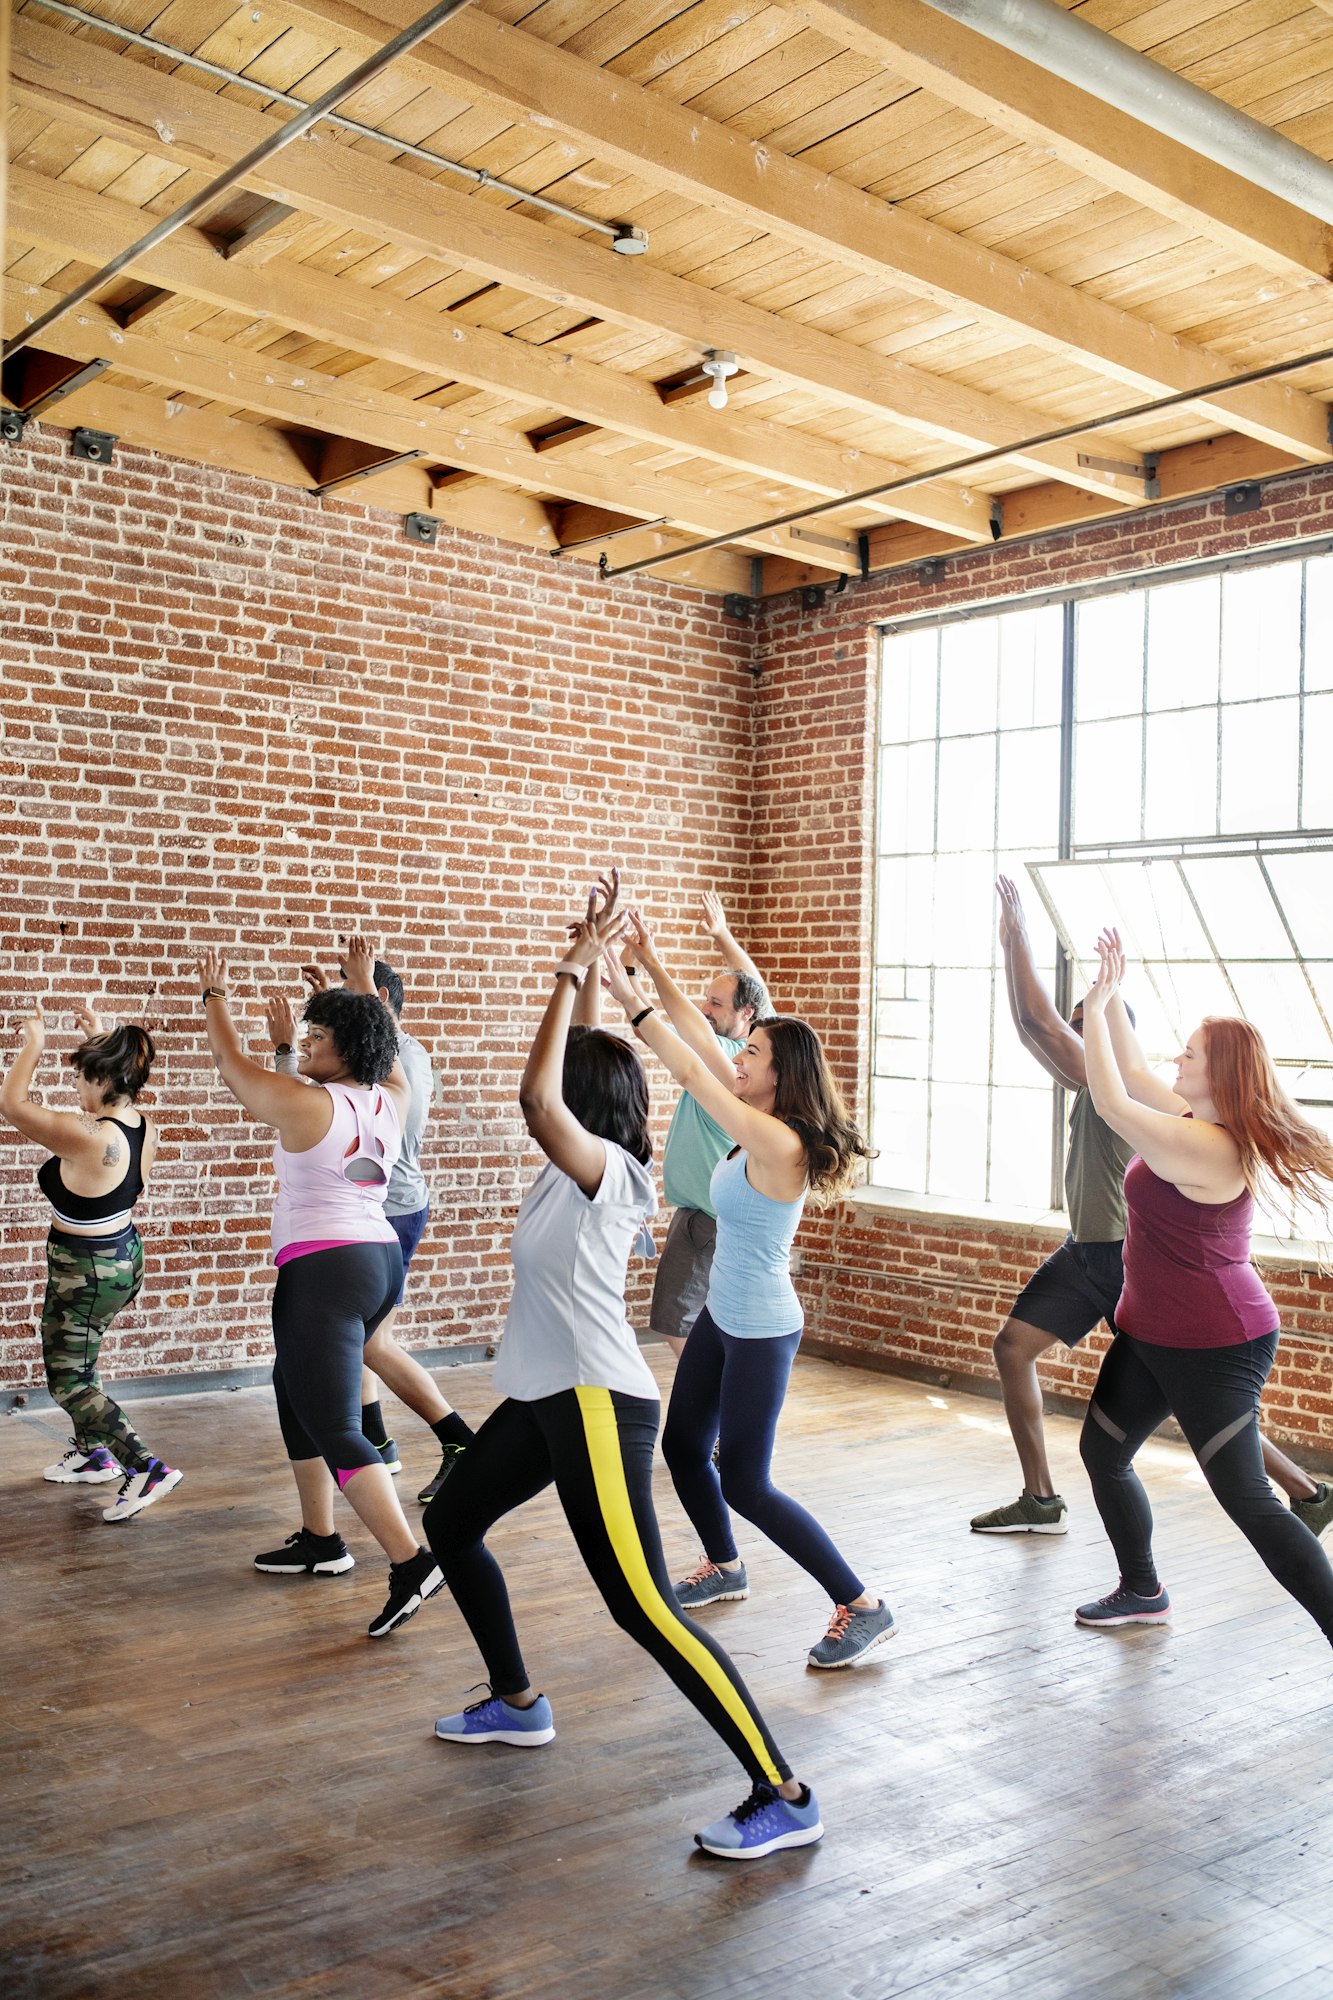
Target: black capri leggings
[(326, 1305), (597, 1445), (1213, 1393)]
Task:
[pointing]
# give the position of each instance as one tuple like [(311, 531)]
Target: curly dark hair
[(808, 1099), (604, 1086), (119, 1060), (362, 1029)]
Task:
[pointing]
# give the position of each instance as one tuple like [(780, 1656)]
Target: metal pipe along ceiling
[(1069, 47), (434, 18)]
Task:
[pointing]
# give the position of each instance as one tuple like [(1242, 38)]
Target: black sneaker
[(410, 1584), (304, 1554), (388, 1451), (451, 1455)]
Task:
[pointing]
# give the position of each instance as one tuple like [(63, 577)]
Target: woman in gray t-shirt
[(581, 1409)]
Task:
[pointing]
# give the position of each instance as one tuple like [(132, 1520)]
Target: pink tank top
[(1189, 1281), (334, 1192)]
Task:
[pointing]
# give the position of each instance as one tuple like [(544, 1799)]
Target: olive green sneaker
[(1316, 1513), (1025, 1516)]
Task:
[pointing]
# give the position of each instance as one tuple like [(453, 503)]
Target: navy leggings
[(1213, 1393), (732, 1390), (326, 1305)]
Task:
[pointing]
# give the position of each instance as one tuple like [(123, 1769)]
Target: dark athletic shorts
[(408, 1228), (681, 1285), (1073, 1291)]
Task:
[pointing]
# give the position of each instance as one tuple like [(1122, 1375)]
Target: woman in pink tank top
[(1198, 1331), (340, 1268)]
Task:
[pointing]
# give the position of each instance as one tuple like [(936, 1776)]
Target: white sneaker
[(84, 1468), (140, 1489)]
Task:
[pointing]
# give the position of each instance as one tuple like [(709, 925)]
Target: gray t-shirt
[(567, 1327), (1094, 1174), (407, 1187)]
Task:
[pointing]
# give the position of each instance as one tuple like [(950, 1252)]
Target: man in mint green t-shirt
[(695, 1142)]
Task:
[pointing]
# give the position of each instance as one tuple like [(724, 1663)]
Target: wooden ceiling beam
[(703, 160), (969, 70), (88, 227), (377, 422), (74, 79)]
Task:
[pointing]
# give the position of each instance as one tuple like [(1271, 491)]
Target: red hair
[(1277, 1143)]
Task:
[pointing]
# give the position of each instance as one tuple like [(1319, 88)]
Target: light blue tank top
[(750, 1292)]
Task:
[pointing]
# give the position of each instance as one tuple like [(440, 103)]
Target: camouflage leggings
[(89, 1279)]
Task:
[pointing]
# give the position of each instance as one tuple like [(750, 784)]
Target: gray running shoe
[(1025, 1516), (1123, 1606), (710, 1584), (1316, 1513), (851, 1635)]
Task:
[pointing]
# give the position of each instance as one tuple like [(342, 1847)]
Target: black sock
[(372, 1425), (451, 1430)]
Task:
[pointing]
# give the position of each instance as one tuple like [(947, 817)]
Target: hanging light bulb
[(718, 363)]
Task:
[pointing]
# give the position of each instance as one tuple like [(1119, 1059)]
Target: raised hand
[(33, 1028), (315, 978), (597, 930), (714, 920), (89, 1024), (212, 970), (281, 1020), (1110, 972), (358, 962), (640, 937), (1013, 923), (619, 984)]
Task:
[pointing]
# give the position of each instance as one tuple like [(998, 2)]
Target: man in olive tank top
[(1080, 1284)]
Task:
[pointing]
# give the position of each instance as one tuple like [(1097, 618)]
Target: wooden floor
[(217, 1786)]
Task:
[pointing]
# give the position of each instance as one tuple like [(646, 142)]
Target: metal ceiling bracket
[(13, 423), (360, 472), (813, 596), (996, 519), (96, 446), (931, 571), (734, 605), (422, 528), (1243, 499), (612, 534)]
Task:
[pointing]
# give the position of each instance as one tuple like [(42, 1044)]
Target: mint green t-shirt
[(695, 1143)]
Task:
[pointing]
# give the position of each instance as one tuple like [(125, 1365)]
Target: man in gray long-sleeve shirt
[(407, 1210)]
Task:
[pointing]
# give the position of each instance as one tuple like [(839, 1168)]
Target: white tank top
[(334, 1192)]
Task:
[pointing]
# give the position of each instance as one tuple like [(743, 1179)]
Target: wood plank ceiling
[(916, 245)]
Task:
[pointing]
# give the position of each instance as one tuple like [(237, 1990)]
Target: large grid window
[(1160, 758)]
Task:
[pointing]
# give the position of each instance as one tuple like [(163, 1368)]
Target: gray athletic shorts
[(681, 1285)]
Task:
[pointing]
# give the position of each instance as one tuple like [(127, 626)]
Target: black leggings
[(597, 1445), (326, 1305), (1213, 1394)]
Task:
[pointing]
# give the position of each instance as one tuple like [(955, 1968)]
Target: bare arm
[(541, 1095), (588, 998), (69, 1134), (302, 1116), (693, 1027), (1196, 1156), (1043, 1034), (733, 957), (1138, 1079), (774, 1149)]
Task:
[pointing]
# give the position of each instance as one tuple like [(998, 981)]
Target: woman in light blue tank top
[(781, 1105)]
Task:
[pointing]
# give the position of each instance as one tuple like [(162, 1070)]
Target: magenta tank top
[(1189, 1281), (334, 1192)]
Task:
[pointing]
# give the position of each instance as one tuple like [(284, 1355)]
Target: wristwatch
[(282, 1048)]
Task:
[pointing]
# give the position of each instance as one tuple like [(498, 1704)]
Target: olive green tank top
[(1095, 1175)]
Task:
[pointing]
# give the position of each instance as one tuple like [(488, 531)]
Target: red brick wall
[(909, 1291), (233, 717)]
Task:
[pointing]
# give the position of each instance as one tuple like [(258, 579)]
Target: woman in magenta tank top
[(340, 1268), (1198, 1331)]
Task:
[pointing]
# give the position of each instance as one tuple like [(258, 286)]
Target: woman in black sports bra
[(101, 1155)]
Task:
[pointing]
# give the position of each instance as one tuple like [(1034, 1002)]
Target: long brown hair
[(1277, 1144), (808, 1099)]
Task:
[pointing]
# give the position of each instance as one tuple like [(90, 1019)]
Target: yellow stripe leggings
[(597, 1446)]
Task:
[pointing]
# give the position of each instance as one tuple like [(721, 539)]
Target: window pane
[(958, 1140), (902, 1021), (1181, 784), (907, 799), (1030, 667), (1241, 916), (1259, 766), (906, 895), (967, 794), (1304, 886), (969, 660), (1187, 993), (1317, 763), (960, 1043), (908, 686), (898, 1130), (1109, 657), (1029, 788), (1082, 900), (1153, 910), (1277, 1000), (1261, 633), (1183, 643), (1318, 622), (1020, 1147), (1107, 781)]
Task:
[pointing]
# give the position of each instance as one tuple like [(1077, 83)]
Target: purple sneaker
[(762, 1824), (84, 1468), (495, 1721)]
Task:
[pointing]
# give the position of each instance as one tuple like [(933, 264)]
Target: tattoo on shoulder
[(112, 1153)]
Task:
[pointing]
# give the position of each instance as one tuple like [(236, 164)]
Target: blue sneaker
[(1123, 1606), (851, 1635), (711, 1584), (761, 1824), (494, 1721)]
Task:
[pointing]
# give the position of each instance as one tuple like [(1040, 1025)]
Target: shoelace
[(761, 1796), (704, 1571), (839, 1622)]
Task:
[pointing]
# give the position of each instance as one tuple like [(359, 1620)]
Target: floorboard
[(217, 1786)]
